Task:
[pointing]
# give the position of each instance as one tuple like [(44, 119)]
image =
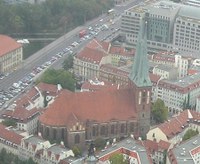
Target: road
[(58, 45)]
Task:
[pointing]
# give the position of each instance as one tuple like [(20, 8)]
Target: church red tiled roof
[(101, 106), (8, 45)]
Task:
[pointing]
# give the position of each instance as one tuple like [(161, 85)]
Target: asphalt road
[(58, 45)]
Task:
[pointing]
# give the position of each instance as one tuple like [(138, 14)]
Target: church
[(78, 117)]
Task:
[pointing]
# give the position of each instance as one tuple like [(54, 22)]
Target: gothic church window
[(77, 139), (112, 129), (103, 130), (122, 128)]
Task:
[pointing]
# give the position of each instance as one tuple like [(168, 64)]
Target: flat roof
[(182, 151), (34, 140), (186, 81)]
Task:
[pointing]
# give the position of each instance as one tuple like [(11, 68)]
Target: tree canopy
[(9, 158), (49, 17), (190, 133), (118, 159), (159, 111), (61, 76), (68, 63)]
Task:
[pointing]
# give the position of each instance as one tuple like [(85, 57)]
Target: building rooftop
[(101, 106), (10, 135), (164, 8), (188, 81), (8, 45), (184, 152), (136, 150), (189, 12), (34, 140), (57, 149)]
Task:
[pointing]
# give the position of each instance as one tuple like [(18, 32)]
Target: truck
[(82, 33)]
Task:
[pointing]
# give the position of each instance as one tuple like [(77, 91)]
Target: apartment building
[(87, 62), (9, 140), (41, 151), (171, 59), (186, 152), (166, 72), (176, 94), (11, 54), (173, 130)]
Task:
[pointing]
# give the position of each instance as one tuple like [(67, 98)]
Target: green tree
[(100, 143), (159, 111), (62, 77), (190, 133), (76, 151), (118, 159), (68, 63), (9, 122)]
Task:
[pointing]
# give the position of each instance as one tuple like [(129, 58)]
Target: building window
[(47, 131), (122, 128), (77, 139), (103, 130), (63, 133), (93, 131), (132, 127), (54, 133), (112, 129)]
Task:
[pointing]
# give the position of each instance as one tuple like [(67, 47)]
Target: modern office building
[(160, 19), (192, 3), (171, 26), (187, 30)]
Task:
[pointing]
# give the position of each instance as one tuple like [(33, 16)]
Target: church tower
[(140, 81)]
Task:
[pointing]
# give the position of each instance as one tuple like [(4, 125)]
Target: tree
[(76, 151), (9, 122), (68, 63), (159, 111), (190, 133), (100, 143), (118, 159), (62, 77)]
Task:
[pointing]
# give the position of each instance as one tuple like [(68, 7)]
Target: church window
[(140, 95), (122, 128), (103, 130), (63, 133), (47, 131), (112, 129), (77, 127), (143, 115), (77, 139), (93, 131), (131, 126), (143, 94), (54, 133)]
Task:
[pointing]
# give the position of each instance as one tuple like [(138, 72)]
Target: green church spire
[(140, 70)]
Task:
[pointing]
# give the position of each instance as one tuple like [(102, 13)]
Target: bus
[(111, 12)]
